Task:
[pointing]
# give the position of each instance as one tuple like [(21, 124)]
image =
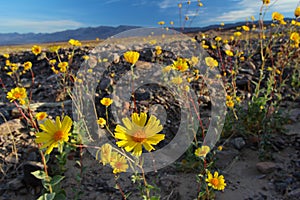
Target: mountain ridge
[(91, 33)]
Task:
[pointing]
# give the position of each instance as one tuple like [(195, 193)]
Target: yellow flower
[(161, 22), (54, 48), (171, 22), (106, 101), (282, 22), (54, 134), (237, 34), (204, 46), (36, 50), (228, 98), (54, 70), (85, 57), (230, 104), (220, 148), (203, 151), (228, 52), (211, 62), (295, 37), (252, 18), (179, 5), (266, 2), (137, 134), (27, 65), (218, 39), (6, 55), (246, 28), (18, 93), (200, 4), (238, 99), (131, 56), (101, 121), (293, 22), (222, 24), (158, 50), (76, 43), (180, 64), (41, 116), (52, 62), (216, 182), (177, 80), (118, 163), (277, 16), (63, 66), (297, 11), (218, 76), (194, 61), (106, 153)]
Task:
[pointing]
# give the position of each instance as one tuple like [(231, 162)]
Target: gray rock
[(294, 193), (115, 58), (266, 167), (238, 143)]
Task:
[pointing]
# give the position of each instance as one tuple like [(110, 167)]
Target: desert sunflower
[(137, 133), (54, 134), (216, 182)]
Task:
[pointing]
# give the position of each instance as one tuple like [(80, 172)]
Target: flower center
[(58, 135), (215, 181), (17, 95), (139, 136), (179, 67), (118, 165)]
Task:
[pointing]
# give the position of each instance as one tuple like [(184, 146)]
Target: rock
[(294, 193), (225, 157), (120, 47), (292, 129), (266, 167), (294, 114), (105, 83), (115, 58), (238, 143), (143, 65), (10, 126)]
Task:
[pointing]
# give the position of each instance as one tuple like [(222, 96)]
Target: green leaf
[(47, 196), (154, 198), (60, 196), (56, 179), (40, 174)]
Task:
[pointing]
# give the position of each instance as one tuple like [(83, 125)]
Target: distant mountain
[(91, 33)]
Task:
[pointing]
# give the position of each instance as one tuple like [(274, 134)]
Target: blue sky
[(25, 16)]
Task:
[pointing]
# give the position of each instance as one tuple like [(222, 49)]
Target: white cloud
[(245, 9), (47, 26), (171, 3), (111, 1), (192, 13), (166, 4)]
